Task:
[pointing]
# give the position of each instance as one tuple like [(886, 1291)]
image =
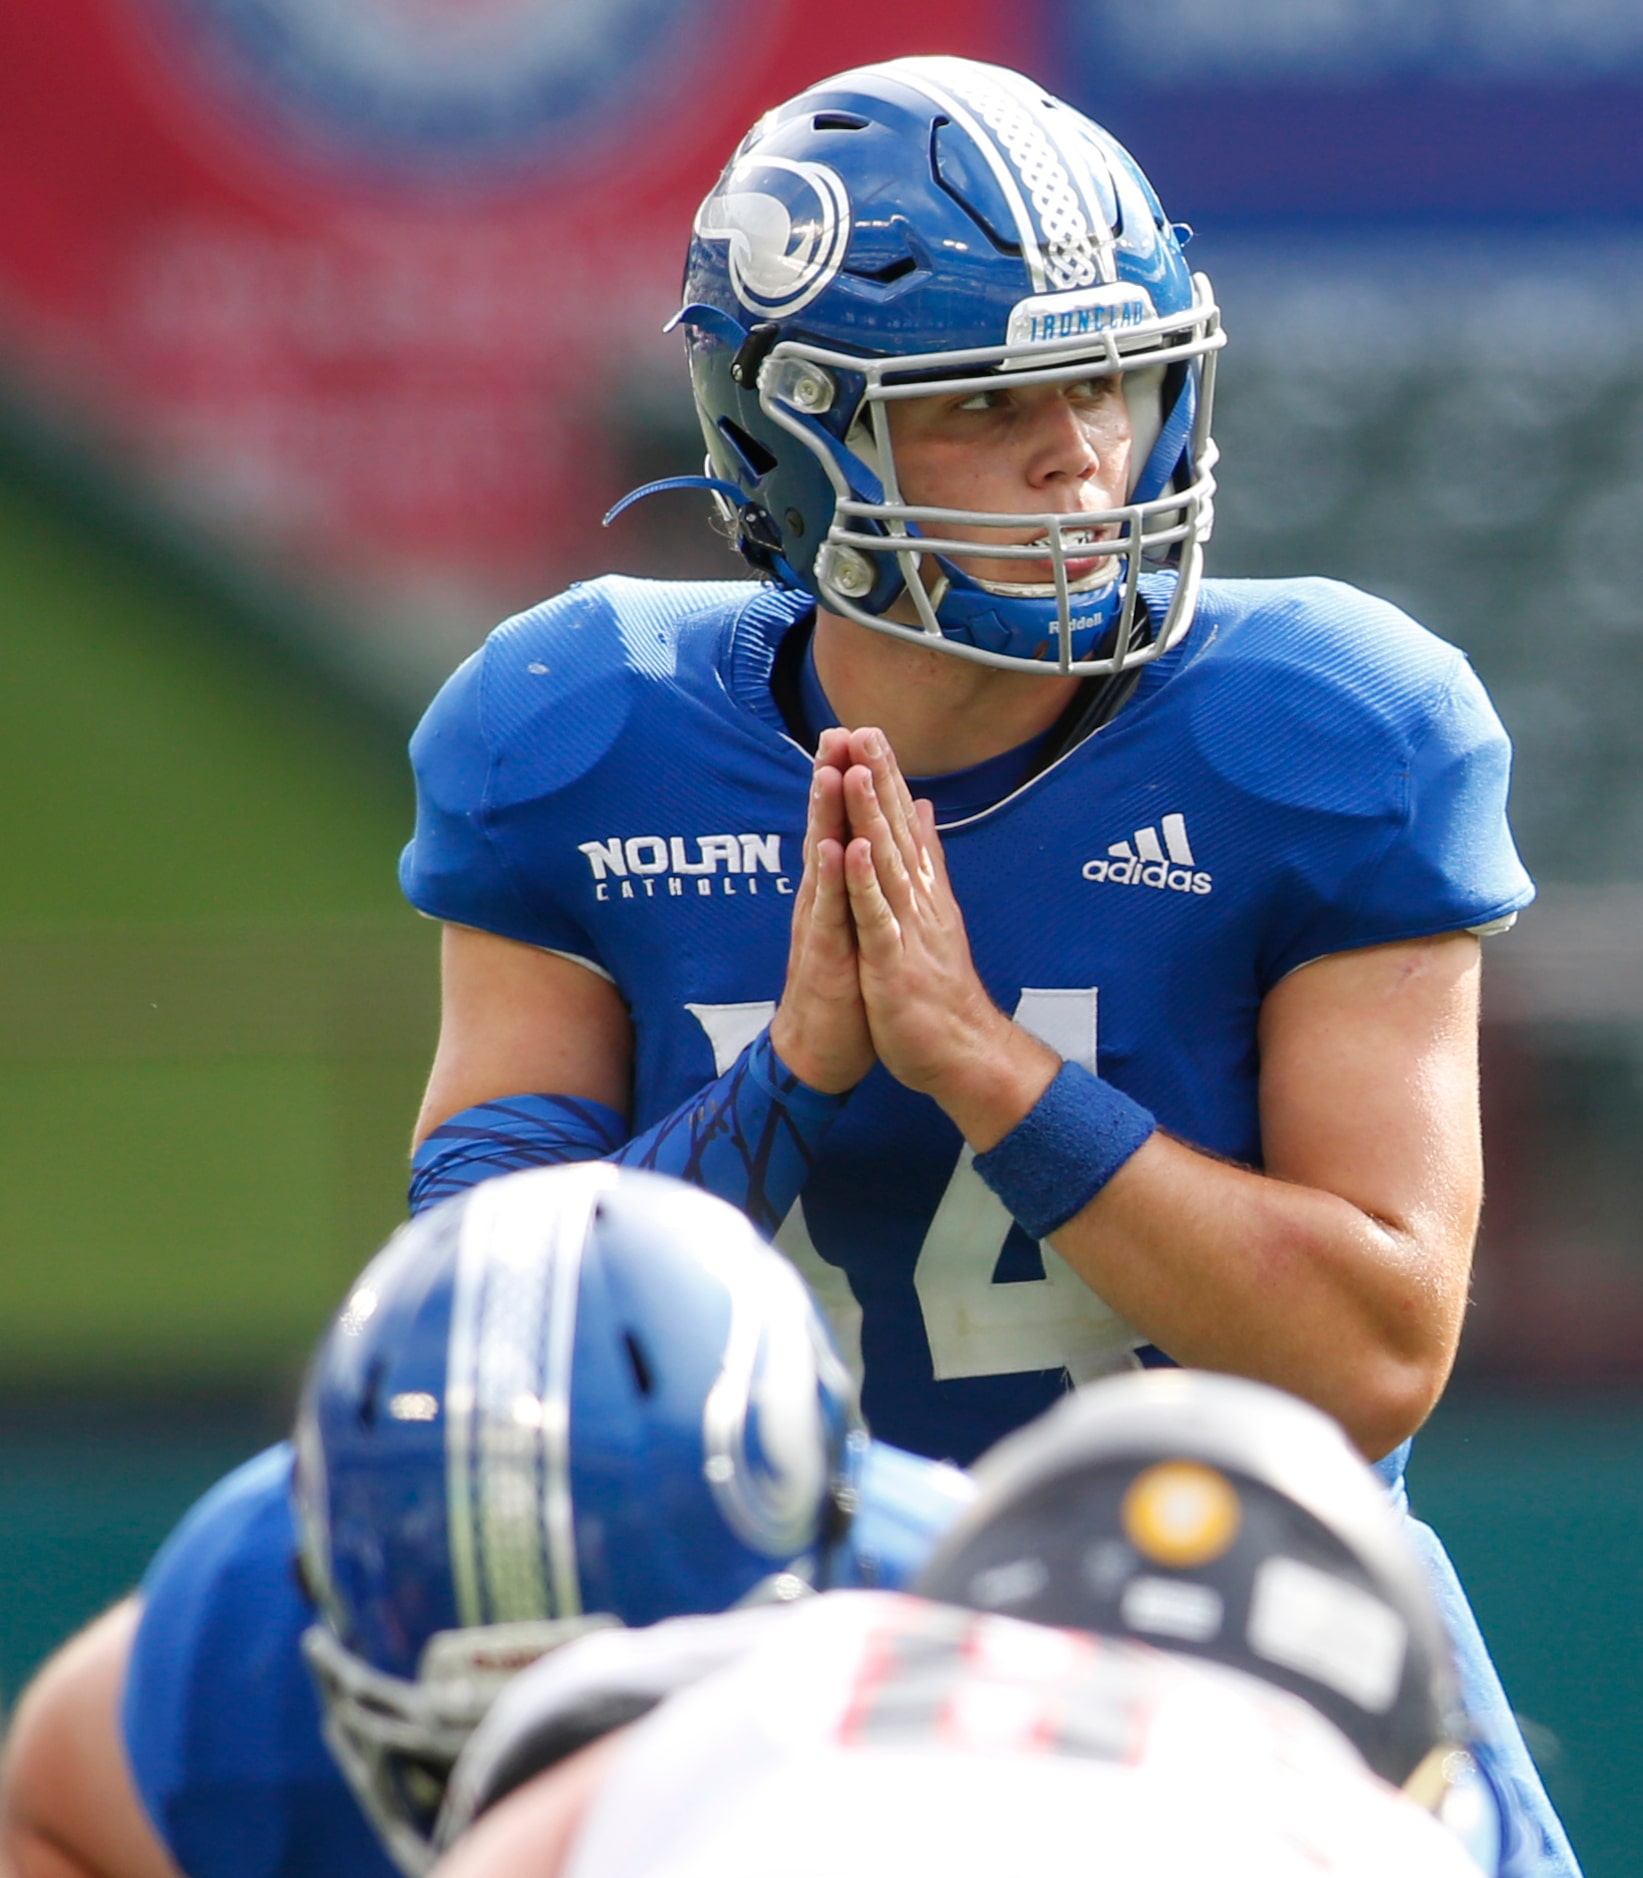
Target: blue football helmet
[(570, 1397), (930, 227)]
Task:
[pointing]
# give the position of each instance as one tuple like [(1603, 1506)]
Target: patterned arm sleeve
[(751, 1137)]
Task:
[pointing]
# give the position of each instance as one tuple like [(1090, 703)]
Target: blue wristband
[(1064, 1150)]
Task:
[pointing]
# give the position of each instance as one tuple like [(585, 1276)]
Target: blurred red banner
[(357, 284)]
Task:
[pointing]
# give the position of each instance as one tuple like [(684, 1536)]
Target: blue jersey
[(220, 1718), (1307, 771)]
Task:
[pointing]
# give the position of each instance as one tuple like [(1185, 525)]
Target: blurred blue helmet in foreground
[(937, 227), (570, 1397)]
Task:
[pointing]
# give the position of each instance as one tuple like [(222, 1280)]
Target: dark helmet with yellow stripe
[(1221, 1518)]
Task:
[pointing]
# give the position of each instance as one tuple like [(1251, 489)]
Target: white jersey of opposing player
[(881, 1736)]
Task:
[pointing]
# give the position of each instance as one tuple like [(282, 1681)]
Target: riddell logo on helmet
[(1149, 863)]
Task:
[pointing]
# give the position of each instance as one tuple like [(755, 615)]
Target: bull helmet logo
[(772, 1421), (786, 226)]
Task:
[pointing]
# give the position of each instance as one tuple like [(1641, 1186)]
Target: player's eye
[(986, 400)]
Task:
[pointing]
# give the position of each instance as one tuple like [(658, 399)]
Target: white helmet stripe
[(1066, 240), (461, 1364), (558, 1506), (1081, 157), (509, 1372), (1026, 231)]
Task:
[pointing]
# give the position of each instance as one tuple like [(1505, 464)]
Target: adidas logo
[(1151, 864)]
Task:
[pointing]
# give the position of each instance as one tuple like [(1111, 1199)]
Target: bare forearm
[(1228, 1269), (1341, 1273), (68, 1808), (1225, 1268), (27, 1854)]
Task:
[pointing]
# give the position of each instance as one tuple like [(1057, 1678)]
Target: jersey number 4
[(975, 1326)]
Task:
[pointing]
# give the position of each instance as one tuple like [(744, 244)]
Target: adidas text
[(1168, 863), (1135, 872)]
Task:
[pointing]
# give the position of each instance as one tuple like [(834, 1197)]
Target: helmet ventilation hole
[(367, 1408), (756, 459), (898, 269), (639, 1363)]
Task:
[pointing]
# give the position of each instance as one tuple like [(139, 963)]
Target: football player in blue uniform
[(577, 1398), (1071, 959), (1246, 1674)]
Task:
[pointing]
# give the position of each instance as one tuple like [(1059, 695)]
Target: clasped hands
[(879, 968)]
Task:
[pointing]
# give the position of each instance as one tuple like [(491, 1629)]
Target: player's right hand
[(820, 1027)]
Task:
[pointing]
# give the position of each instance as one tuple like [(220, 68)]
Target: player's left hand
[(819, 1029), (933, 1024)]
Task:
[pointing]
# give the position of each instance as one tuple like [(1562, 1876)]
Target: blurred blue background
[(326, 334)]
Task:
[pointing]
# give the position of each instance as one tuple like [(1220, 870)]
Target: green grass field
[(214, 1006)]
